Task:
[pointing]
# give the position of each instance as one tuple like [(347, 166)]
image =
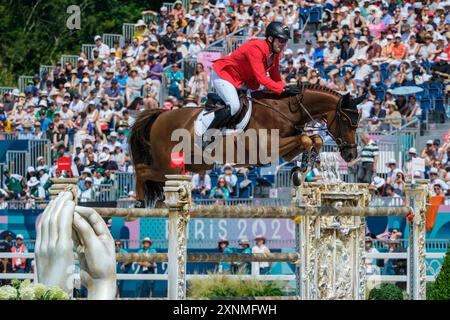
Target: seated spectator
[(405, 73), (412, 109), (375, 78), (104, 117), (399, 184), (393, 75), (393, 117), (201, 184), (331, 53), (220, 191), (35, 190), (371, 264), (441, 71), (230, 178), (175, 81), (435, 180), (88, 194)]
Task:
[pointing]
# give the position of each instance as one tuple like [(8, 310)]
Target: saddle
[(214, 103)]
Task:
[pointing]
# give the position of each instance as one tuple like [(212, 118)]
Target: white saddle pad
[(204, 120)]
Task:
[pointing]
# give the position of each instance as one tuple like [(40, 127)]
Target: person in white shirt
[(181, 47), (362, 70), (331, 53), (365, 108), (371, 264), (66, 114), (35, 190), (434, 179), (77, 104), (230, 178), (135, 49), (201, 184), (360, 50), (103, 49), (196, 47), (260, 247), (88, 194)]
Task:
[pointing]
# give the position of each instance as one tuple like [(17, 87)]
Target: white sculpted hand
[(95, 247), (54, 247)]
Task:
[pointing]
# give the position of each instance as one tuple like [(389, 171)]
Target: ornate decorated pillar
[(332, 262), (417, 199), (177, 191)]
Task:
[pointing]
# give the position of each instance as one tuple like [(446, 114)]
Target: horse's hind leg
[(144, 173), (290, 148)]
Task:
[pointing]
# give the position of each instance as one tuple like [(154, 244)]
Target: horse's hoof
[(139, 204), (296, 178)]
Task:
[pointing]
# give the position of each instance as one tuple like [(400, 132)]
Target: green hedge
[(387, 291), (440, 289)]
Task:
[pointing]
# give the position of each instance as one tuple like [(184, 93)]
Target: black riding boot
[(221, 118)]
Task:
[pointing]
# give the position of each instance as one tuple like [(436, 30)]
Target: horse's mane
[(317, 87)]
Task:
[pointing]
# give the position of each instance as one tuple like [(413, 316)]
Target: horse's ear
[(346, 100), (358, 100)]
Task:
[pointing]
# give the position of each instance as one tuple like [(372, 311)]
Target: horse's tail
[(139, 139), (141, 154)]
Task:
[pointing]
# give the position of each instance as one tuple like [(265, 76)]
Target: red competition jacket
[(248, 64)]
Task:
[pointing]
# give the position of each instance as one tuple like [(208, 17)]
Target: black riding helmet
[(277, 30)]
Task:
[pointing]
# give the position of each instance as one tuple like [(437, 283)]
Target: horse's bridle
[(341, 113)]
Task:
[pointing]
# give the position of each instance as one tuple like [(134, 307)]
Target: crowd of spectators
[(435, 160)]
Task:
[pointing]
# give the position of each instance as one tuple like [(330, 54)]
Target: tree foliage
[(35, 32)]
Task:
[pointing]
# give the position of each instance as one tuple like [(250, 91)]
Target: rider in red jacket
[(254, 64)]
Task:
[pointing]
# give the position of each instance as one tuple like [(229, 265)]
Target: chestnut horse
[(151, 145)]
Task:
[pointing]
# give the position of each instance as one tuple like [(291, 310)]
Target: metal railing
[(88, 50), (23, 80), (9, 135), (109, 39), (18, 161), (4, 90), (128, 31), (73, 59), (169, 6), (39, 148), (45, 68), (433, 265)]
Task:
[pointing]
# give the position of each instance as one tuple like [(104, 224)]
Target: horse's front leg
[(315, 150)]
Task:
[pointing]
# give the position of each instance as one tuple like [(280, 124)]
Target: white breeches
[(227, 92)]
